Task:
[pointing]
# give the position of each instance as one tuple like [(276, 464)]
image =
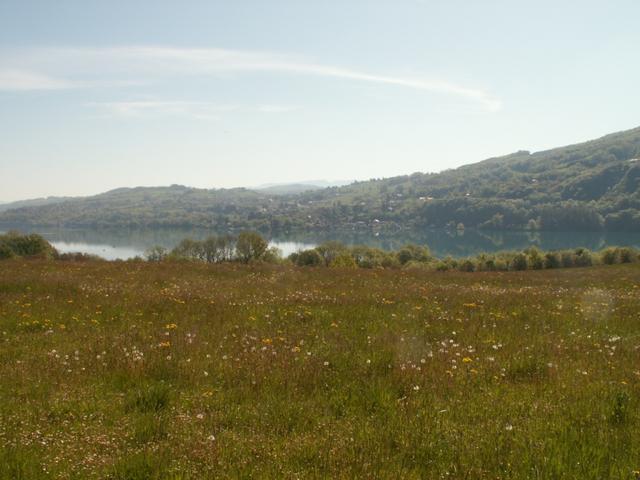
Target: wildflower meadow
[(169, 370)]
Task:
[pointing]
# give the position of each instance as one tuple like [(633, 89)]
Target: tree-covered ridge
[(588, 186)]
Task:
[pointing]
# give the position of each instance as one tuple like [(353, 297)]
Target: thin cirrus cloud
[(57, 68), (200, 110), (11, 79)]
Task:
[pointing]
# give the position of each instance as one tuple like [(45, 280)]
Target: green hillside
[(588, 186)]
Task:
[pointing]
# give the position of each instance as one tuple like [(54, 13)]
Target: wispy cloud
[(200, 110), (78, 67), (12, 79), (278, 108)]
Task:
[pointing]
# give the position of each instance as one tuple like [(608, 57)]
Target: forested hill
[(588, 186)]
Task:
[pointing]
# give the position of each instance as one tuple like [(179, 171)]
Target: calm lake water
[(123, 243)]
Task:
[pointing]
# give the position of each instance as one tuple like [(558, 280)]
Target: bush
[(535, 258), (442, 266), (272, 255), (189, 249), (413, 253), (77, 257), (609, 256), (519, 262), (367, 257), (583, 258), (307, 258), (552, 260), (331, 250), (250, 246), (566, 259), (156, 254), (14, 244), (467, 265), (6, 252), (627, 255), (343, 261)]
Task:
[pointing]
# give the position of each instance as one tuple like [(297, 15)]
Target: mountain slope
[(587, 186), (36, 202)]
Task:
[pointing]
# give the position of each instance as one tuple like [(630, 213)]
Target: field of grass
[(134, 370)]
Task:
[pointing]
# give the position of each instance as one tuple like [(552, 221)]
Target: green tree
[(156, 254), (308, 258), (250, 246)]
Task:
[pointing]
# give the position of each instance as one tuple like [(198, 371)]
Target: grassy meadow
[(174, 370)]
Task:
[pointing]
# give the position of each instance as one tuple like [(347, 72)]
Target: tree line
[(251, 248)]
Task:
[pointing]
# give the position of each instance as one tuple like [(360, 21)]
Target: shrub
[(627, 255), (501, 265), (442, 266), (609, 256), (272, 255), (535, 258), (250, 246), (486, 263), (367, 257), (329, 251), (583, 258), (308, 258), (188, 249), (519, 262), (156, 254), (343, 261), (77, 257), (467, 265), (5, 252), (13, 244), (567, 259), (413, 253), (552, 260)]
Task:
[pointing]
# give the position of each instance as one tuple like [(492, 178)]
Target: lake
[(124, 243)]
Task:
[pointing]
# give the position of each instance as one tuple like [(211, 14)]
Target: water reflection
[(124, 243)]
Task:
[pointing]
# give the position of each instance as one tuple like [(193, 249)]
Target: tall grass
[(183, 370)]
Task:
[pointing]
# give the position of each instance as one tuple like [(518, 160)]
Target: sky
[(96, 95)]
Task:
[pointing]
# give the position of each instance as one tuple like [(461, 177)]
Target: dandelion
[(171, 326), (466, 360)]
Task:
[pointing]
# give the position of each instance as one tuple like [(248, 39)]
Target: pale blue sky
[(96, 95)]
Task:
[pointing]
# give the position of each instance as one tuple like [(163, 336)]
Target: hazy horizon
[(97, 96)]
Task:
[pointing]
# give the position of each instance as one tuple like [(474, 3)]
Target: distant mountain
[(293, 188), (36, 202), (589, 186)]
